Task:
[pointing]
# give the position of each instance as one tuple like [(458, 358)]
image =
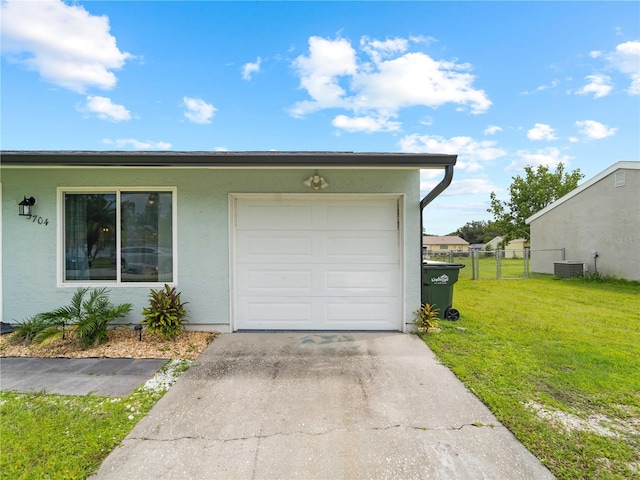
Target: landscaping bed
[(122, 343)]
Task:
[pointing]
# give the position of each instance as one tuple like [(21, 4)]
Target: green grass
[(63, 436), (568, 346)]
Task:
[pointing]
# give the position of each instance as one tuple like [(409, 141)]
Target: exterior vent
[(620, 179), (568, 269)]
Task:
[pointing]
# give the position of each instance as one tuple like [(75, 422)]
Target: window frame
[(117, 283)]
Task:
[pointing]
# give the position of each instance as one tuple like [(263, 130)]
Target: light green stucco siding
[(31, 251)]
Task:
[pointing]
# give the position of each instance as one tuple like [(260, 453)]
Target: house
[(496, 243), (598, 224), (434, 245), (252, 240), (515, 248)]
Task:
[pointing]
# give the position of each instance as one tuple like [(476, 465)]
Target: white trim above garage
[(317, 262)]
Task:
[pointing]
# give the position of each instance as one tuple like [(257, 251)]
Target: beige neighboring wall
[(603, 216)]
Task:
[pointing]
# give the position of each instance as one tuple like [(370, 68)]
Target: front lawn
[(558, 363), (65, 436)]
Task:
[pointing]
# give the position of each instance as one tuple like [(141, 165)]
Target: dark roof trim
[(224, 159)]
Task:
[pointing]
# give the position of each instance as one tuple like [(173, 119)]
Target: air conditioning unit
[(568, 268)]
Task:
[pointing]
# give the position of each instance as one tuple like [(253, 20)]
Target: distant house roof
[(224, 159), (447, 239), (616, 166)]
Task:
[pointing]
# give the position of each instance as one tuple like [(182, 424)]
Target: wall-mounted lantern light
[(24, 207), (316, 182)]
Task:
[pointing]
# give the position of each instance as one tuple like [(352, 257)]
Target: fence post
[(563, 252), (498, 273), (526, 262), (473, 265)]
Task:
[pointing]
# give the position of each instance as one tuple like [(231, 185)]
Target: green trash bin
[(437, 287)]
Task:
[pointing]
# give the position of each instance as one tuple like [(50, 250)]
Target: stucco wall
[(602, 218), (29, 250)]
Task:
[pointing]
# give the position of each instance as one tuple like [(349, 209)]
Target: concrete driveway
[(320, 406)]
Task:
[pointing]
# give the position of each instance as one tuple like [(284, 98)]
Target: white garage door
[(317, 264)]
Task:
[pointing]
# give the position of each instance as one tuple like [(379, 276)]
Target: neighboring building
[(496, 243), (515, 248), (433, 245), (477, 247), (252, 240), (597, 224)]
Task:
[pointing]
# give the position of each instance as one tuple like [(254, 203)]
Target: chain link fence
[(499, 264)]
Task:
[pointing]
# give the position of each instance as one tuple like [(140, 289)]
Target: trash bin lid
[(442, 264)]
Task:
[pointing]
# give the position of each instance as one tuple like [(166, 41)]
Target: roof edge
[(626, 165), (224, 159)]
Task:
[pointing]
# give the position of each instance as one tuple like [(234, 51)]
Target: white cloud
[(540, 131), (471, 153), (599, 85), (492, 130), (367, 124), (626, 59), (65, 44), (334, 77), (248, 69), (595, 130), (133, 144), (197, 110), (540, 88), (549, 157), (470, 186), (106, 109), (378, 50)]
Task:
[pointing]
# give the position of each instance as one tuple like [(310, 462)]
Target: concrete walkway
[(319, 406), (113, 377)]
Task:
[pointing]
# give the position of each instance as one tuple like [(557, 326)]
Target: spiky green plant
[(427, 317), (87, 320), (27, 330), (165, 314)]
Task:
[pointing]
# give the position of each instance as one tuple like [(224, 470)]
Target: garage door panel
[(362, 246), (274, 215), (275, 246), (318, 280), (356, 282), (313, 247), (315, 313), (362, 215), (270, 279), (360, 314), (274, 313)]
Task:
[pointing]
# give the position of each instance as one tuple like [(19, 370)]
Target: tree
[(529, 195), (472, 232)]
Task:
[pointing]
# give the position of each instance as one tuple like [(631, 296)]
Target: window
[(444, 247), (118, 236)]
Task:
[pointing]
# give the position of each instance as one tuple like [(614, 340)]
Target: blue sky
[(501, 84)]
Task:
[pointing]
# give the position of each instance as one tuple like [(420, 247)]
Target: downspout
[(429, 197)]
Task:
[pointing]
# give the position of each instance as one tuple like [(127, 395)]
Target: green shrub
[(427, 317), (165, 314), (86, 320), (27, 330)]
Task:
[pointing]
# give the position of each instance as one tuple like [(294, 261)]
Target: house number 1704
[(39, 220)]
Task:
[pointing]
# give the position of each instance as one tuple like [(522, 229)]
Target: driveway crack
[(315, 434)]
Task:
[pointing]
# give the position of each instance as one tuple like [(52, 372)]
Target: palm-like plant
[(427, 317), (87, 320)]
